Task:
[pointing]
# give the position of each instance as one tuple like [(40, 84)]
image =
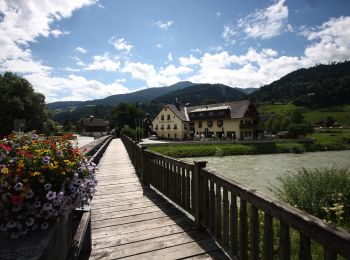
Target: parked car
[(153, 137)]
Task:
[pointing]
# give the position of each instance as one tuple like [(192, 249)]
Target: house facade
[(91, 126), (231, 120), (172, 122)]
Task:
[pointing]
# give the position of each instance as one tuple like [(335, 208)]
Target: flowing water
[(261, 171)]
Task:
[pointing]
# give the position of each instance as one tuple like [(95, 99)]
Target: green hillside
[(319, 86)]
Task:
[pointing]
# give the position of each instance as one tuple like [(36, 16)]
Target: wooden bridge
[(130, 220)]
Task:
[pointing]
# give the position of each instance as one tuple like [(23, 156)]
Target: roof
[(93, 122), (210, 109), (238, 108)]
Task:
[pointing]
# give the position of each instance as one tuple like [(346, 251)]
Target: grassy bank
[(324, 141)]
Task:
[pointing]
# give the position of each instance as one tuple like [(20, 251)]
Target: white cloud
[(171, 70), (229, 33), (189, 61), (332, 41), (165, 25), (56, 33), (80, 50), (73, 87), (120, 44), (218, 14), (266, 23), (103, 63), (170, 56), (159, 45)]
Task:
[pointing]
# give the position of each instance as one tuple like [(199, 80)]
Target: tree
[(296, 116), (19, 101), (329, 121), (299, 130), (126, 114), (286, 122)]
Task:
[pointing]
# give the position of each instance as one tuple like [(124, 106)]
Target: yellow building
[(230, 120)]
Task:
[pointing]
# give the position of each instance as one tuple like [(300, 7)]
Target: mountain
[(201, 93), (145, 95), (247, 90), (319, 86)]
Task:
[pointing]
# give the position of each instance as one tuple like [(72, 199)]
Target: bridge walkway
[(132, 221)]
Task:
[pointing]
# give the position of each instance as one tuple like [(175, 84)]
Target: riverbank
[(184, 150)]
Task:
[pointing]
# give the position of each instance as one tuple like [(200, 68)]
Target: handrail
[(233, 213), (81, 244)]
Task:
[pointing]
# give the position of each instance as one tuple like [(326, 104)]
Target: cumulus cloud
[(103, 63), (189, 61), (80, 50), (266, 23), (331, 41), (170, 57), (56, 33), (120, 44), (73, 87), (164, 25)]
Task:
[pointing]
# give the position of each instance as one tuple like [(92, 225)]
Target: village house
[(91, 126), (229, 120)]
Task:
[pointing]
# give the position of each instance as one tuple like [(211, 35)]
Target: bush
[(322, 192), (290, 147)]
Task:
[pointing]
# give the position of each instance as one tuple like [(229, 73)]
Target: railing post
[(198, 193), (143, 148)]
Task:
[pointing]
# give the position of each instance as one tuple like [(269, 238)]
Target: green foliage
[(126, 114), (290, 147), (19, 101), (202, 150), (323, 192), (278, 109), (299, 130), (319, 86), (296, 116), (341, 114)]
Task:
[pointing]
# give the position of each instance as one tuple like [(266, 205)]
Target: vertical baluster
[(329, 254), (305, 247), (183, 188), (226, 230), (255, 232), (218, 212), (268, 237), (284, 242), (234, 225), (206, 201), (212, 207), (243, 230), (188, 191)]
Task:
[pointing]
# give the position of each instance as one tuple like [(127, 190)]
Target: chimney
[(177, 104)]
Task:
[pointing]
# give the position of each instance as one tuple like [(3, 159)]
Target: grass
[(279, 109), (341, 114)]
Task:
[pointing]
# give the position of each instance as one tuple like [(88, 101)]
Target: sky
[(89, 49)]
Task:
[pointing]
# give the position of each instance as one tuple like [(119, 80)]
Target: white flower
[(30, 222)]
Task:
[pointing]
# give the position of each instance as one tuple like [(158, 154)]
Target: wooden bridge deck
[(132, 221)]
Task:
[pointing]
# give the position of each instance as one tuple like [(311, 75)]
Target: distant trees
[(126, 114), (19, 101)]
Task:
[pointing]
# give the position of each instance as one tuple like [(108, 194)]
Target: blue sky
[(85, 49)]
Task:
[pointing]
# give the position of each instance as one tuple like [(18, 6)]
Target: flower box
[(41, 181)]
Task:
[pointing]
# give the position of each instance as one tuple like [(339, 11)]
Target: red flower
[(17, 200), (5, 147)]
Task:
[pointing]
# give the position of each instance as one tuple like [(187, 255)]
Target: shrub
[(40, 179), (322, 192)]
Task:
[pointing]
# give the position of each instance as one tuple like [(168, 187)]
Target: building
[(91, 126), (230, 120), (172, 122)]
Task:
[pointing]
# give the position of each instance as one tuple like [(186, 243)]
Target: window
[(168, 127), (162, 117), (201, 114), (169, 136), (221, 113), (185, 126), (168, 117), (156, 127), (175, 126), (162, 127), (210, 123), (175, 136), (220, 123), (199, 124), (210, 113)]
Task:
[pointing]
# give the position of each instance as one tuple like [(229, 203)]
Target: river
[(261, 171)]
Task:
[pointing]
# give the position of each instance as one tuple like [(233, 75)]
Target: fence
[(247, 224)]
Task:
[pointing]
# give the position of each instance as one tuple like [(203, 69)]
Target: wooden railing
[(81, 244), (246, 223)]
